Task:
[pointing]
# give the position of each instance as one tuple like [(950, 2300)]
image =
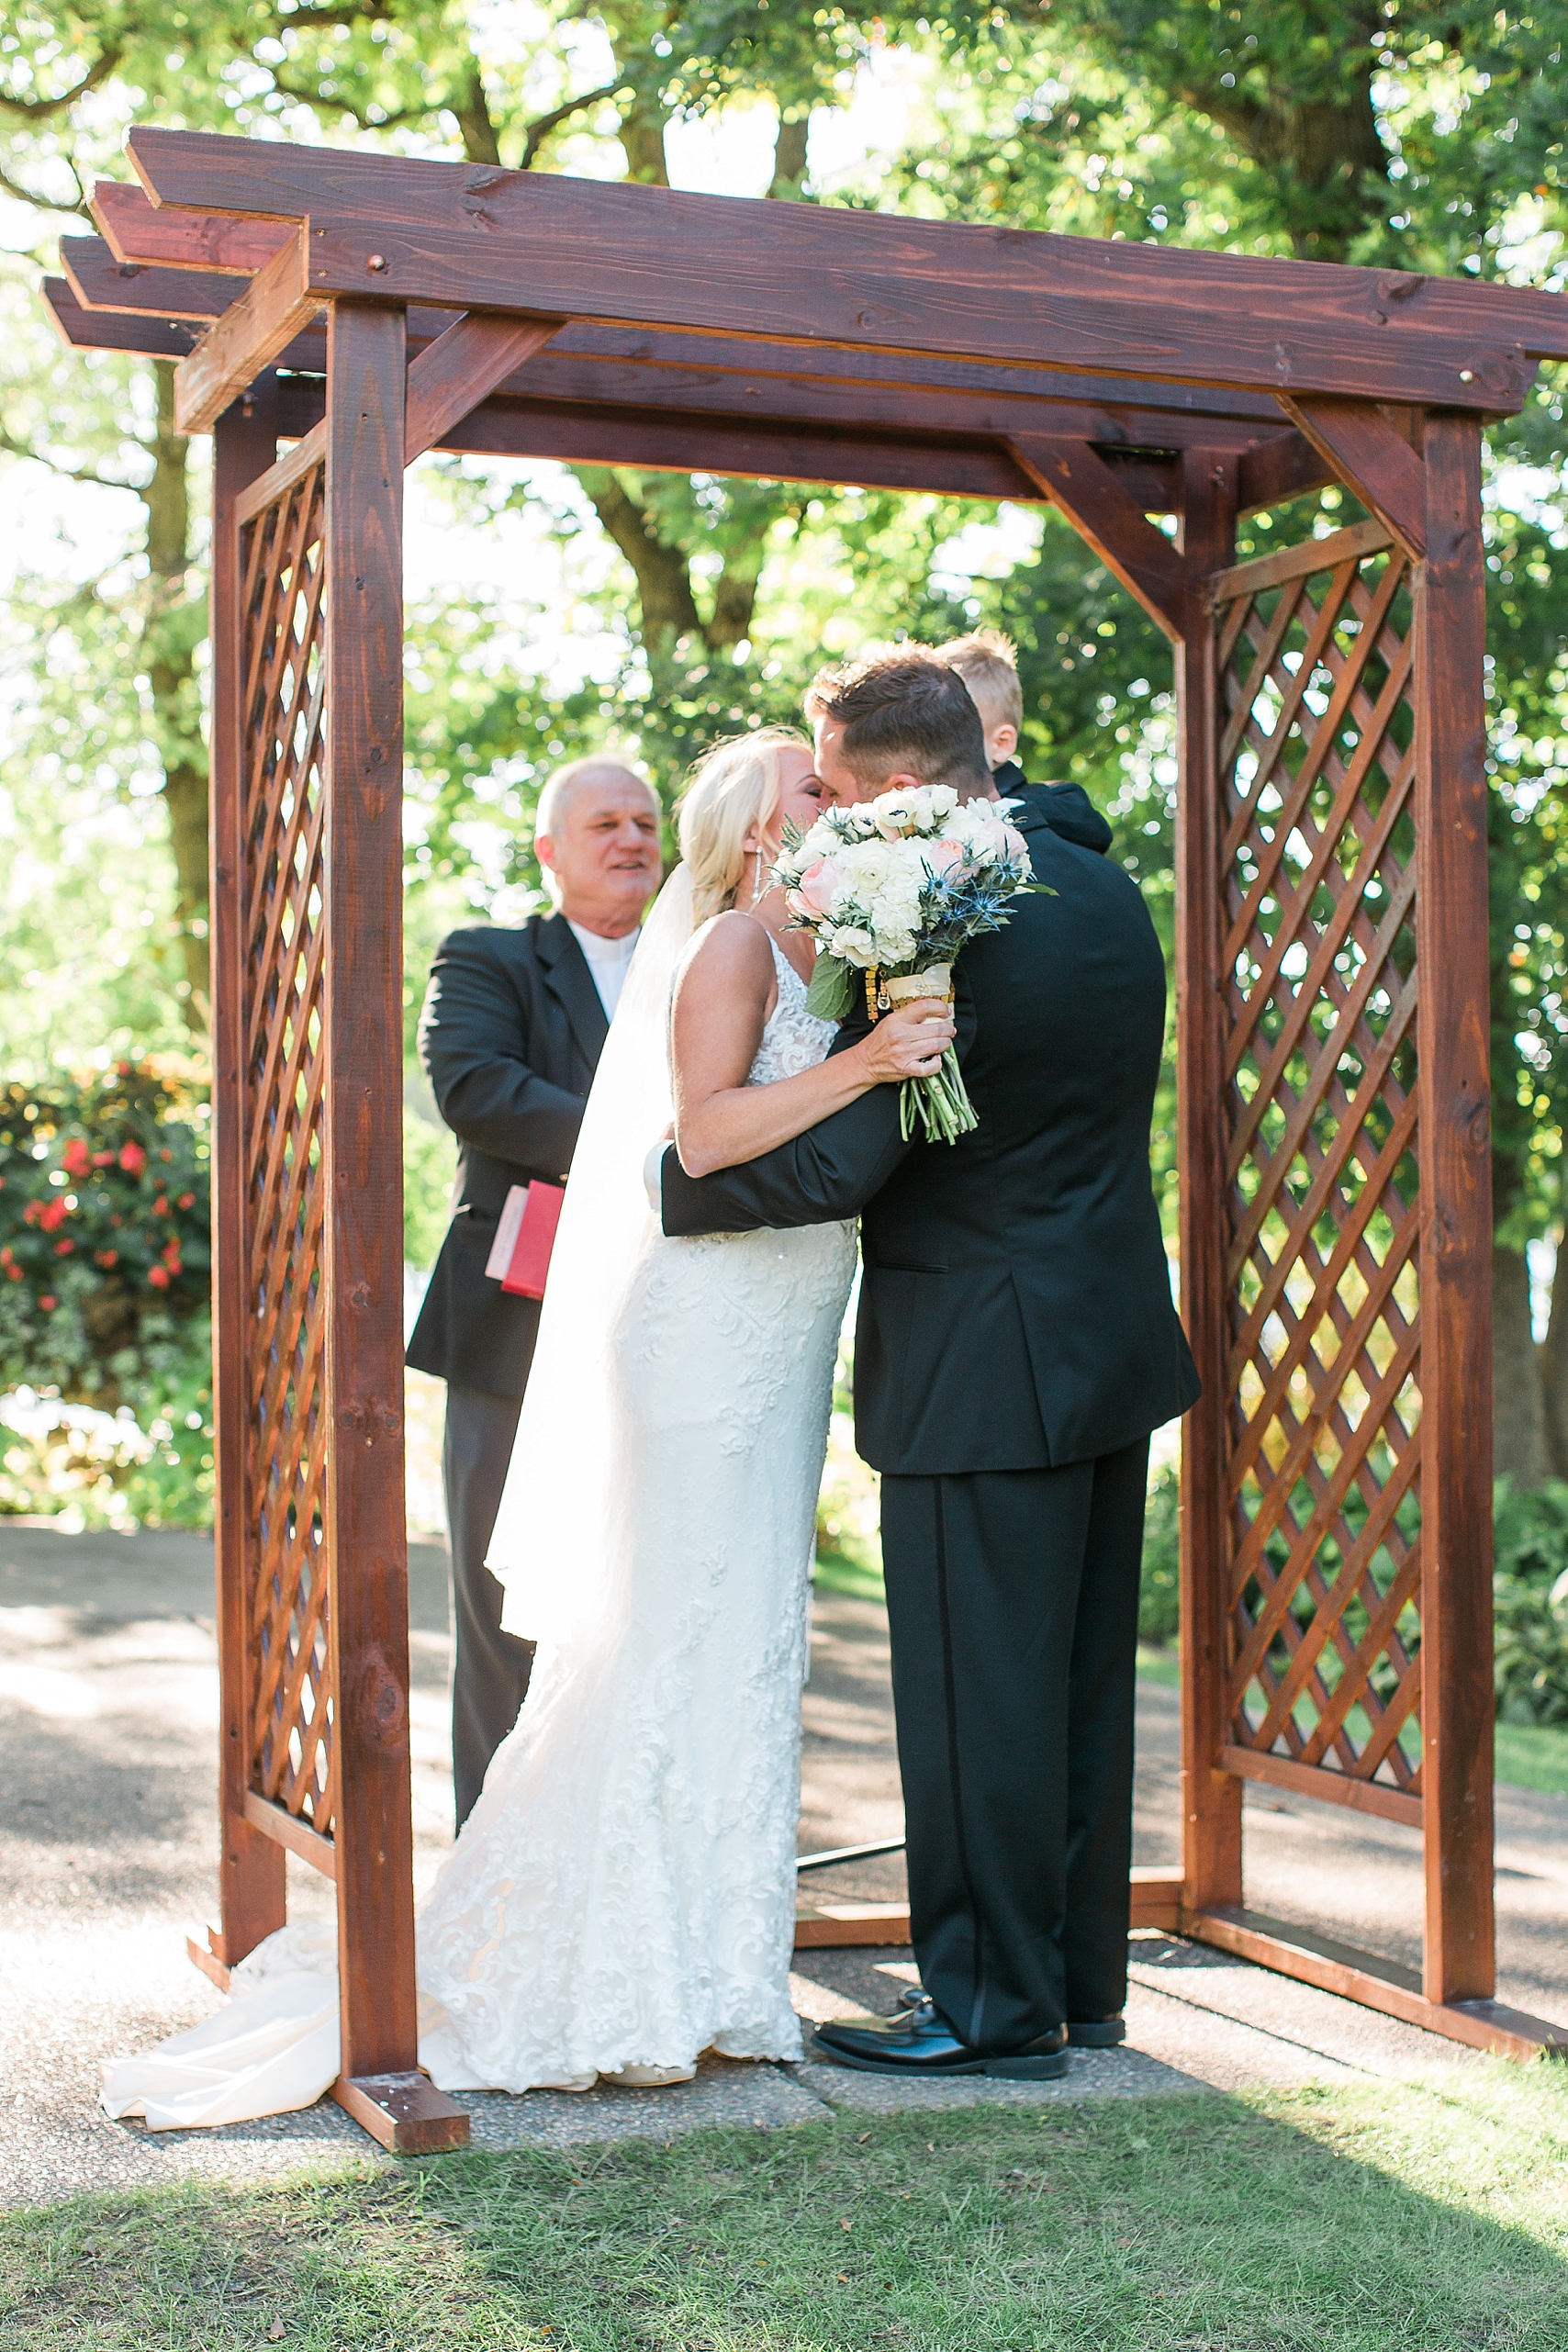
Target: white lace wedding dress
[(623, 1892)]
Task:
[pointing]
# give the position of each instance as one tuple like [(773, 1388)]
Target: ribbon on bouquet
[(881, 995)]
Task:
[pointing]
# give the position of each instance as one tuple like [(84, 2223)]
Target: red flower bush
[(104, 1232)]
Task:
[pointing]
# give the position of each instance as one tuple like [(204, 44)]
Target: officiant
[(514, 1020)]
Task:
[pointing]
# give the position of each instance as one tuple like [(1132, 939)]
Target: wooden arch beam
[(462, 368), (1374, 457), (1078, 481)]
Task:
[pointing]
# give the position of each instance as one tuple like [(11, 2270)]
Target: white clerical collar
[(600, 950), (608, 962)]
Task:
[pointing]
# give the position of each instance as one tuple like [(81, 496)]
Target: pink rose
[(942, 856), (817, 888), (1017, 847)]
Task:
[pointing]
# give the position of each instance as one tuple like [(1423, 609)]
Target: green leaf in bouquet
[(831, 991)]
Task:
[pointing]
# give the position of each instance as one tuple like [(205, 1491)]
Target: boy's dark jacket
[(1015, 1307)]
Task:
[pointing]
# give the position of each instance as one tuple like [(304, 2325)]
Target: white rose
[(868, 861), (855, 946), (944, 801), (893, 813), (895, 947)]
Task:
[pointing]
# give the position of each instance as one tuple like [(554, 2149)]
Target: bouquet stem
[(940, 1105)]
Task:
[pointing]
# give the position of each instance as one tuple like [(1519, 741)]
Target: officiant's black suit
[(511, 1037), (1016, 1344)]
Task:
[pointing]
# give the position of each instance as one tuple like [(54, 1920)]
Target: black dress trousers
[(1012, 1600), (490, 1669)]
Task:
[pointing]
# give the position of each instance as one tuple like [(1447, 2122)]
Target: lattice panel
[(284, 938), (1318, 962)]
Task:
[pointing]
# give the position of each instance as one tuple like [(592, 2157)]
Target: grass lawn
[(1372, 2218)]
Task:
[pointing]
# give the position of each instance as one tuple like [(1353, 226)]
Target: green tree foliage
[(1390, 131)]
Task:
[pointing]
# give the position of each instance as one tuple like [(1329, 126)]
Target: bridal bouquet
[(892, 888)]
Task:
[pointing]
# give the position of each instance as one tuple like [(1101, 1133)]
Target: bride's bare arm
[(722, 1000)]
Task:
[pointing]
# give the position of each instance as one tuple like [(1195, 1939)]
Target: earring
[(756, 892)]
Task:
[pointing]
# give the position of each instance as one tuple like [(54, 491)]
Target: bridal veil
[(561, 1546)]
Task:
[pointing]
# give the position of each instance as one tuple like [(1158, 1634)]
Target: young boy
[(988, 665)]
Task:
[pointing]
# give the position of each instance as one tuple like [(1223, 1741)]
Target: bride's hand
[(909, 1043)]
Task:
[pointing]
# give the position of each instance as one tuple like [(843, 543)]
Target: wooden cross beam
[(1078, 480), (1369, 453), (1146, 414), (236, 348), (542, 244), (577, 410)]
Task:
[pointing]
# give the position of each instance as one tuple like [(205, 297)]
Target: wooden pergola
[(1331, 923)]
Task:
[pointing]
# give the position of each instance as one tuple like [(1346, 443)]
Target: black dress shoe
[(1096, 2033), (917, 2043), (1084, 2034)]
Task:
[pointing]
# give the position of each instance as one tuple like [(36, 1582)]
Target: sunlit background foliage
[(553, 609)]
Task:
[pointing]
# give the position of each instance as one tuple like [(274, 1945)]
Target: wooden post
[(362, 1163), (1211, 1799), (251, 1872), (1456, 1222)]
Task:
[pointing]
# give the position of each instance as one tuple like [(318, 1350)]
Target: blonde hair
[(988, 664), (732, 792), (558, 789)]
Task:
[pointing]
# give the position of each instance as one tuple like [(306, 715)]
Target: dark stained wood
[(1306, 1780), (252, 1894), (236, 347), (111, 331), (1210, 1798), (1456, 1237), (101, 283), (809, 394), (460, 368), (874, 273), (665, 443), (1105, 513), (1156, 1903), (362, 1131), (405, 2112), (137, 232), (1358, 539), (662, 440), (1376, 1983), (1374, 458), (1277, 471), (1157, 1898), (285, 1829), (297, 462), (824, 1923), (882, 302), (203, 1956)]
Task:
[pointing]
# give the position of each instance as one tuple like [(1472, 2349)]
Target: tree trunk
[(1519, 1424), (789, 158), (475, 122), (663, 577), (642, 138), (176, 625)]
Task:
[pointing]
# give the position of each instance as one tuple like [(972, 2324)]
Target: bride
[(621, 1896)]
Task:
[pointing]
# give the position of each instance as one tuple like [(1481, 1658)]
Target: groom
[(1016, 1344)]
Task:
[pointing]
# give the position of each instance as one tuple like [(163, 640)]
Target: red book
[(524, 1238)]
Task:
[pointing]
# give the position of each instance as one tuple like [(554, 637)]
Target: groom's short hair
[(902, 712)]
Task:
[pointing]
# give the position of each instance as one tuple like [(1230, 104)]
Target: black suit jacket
[(1015, 1306), (511, 1037)]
